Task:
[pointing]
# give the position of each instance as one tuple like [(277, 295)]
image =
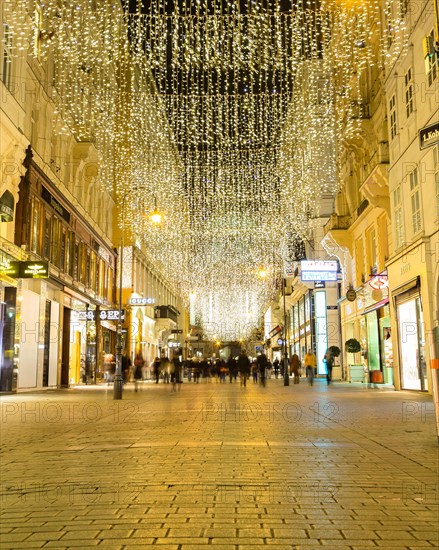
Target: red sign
[(378, 282)]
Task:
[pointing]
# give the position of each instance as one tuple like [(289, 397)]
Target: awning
[(376, 306), (406, 286), (7, 207)]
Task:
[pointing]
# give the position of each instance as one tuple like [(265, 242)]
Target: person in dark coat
[(295, 367), (262, 364), (138, 369), (243, 365), (156, 369), (126, 365)]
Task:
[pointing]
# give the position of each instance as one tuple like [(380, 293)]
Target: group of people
[(260, 368)]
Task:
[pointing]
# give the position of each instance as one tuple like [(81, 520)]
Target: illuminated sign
[(111, 315), (141, 301), (26, 270), (318, 270)]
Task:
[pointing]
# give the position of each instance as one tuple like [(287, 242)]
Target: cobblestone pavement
[(217, 465)]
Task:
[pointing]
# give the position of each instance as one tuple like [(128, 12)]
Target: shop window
[(409, 92), (398, 217), (35, 227), (92, 270), (62, 257), (56, 241), (392, 117), (76, 272), (46, 238), (415, 201), (7, 57)]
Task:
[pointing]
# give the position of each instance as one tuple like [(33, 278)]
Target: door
[(412, 345)]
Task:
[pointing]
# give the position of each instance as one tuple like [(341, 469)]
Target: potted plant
[(352, 345), (355, 371), (337, 372), (334, 351)]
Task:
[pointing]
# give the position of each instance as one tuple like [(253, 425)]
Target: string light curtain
[(232, 113)]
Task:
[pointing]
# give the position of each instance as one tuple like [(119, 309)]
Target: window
[(7, 57), (371, 252), (392, 111), (415, 201), (431, 59), (359, 261), (383, 243), (35, 227), (398, 217), (46, 241), (436, 175), (409, 92)]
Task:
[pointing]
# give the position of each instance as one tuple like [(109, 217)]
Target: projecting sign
[(378, 282), (26, 270), (351, 295), (318, 270), (429, 136)]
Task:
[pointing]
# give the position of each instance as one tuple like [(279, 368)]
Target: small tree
[(352, 346), (334, 351)]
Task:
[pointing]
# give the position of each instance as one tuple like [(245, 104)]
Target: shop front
[(8, 373), (411, 339)]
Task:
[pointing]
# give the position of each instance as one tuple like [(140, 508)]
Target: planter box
[(356, 373)]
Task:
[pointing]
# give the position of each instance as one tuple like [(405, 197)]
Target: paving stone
[(175, 477)]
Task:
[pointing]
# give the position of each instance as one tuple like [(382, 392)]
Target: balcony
[(376, 185), (166, 312)]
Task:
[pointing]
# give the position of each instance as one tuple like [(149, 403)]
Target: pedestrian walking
[(243, 364), (262, 364), (255, 372), (295, 367), (138, 370), (329, 362), (310, 363), (276, 367), (176, 374), (156, 369), (126, 365)]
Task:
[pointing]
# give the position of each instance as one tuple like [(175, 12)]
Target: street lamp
[(156, 217)]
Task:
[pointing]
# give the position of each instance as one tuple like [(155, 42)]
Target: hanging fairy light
[(230, 112)]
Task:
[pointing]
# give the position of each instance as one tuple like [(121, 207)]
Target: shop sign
[(318, 270), (26, 270), (379, 282), (280, 342), (174, 344), (11, 269), (351, 295), (59, 209), (331, 307), (141, 301), (319, 284), (429, 136), (85, 315), (111, 315)]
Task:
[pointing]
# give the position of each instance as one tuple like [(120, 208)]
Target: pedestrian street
[(218, 465)]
